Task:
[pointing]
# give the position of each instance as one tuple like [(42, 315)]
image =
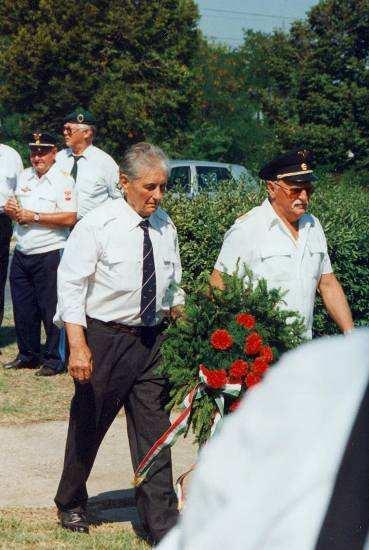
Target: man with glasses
[(95, 172), (280, 242), (44, 206)]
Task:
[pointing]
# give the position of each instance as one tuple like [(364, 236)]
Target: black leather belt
[(134, 330)]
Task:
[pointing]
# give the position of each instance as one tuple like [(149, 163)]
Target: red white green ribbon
[(180, 424)]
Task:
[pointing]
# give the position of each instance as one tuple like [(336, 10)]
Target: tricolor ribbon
[(180, 424)]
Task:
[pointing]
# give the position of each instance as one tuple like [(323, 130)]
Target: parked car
[(194, 176)]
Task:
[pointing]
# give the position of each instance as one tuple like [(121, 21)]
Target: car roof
[(186, 162)]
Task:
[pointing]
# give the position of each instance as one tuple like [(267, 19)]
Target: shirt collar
[(86, 153), (48, 176), (133, 218), (273, 219)]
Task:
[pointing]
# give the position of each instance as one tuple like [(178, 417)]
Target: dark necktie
[(74, 170), (148, 290)]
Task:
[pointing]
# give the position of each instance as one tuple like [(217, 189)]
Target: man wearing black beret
[(95, 172), (44, 208), (280, 242)]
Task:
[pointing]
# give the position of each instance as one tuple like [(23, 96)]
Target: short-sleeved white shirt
[(261, 241), (97, 177), (10, 167), (54, 192), (100, 273)]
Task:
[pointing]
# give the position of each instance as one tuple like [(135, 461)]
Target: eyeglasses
[(70, 131), (295, 192)]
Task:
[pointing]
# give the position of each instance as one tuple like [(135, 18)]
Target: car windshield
[(180, 179), (209, 176)]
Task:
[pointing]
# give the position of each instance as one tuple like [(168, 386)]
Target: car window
[(180, 178), (209, 176)]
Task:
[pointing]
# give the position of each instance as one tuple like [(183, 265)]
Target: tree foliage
[(312, 83), (129, 61)]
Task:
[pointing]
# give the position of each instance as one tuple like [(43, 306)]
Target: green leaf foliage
[(128, 61), (188, 341)]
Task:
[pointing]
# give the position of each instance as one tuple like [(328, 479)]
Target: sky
[(224, 21)]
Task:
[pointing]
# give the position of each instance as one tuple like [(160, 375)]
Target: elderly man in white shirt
[(44, 207), (117, 280), (281, 242), (95, 172), (290, 468), (10, 167)]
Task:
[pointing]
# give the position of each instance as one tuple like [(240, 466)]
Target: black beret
[(80, 116), (292, 166), (42, 139)]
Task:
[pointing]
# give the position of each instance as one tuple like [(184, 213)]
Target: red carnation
[(246, 320), (234, 406), (221, 339), (215, 378), (252, 379), (266, 353), (253, 343), (238, 369), (259, 366)]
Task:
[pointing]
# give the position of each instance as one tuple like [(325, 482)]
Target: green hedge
[(342, 208)]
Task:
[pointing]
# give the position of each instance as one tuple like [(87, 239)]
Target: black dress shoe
[(74, 521), (19, 364), (46, 371)]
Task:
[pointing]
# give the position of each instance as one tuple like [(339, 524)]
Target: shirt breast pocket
[(314, 258), (276, 263), (124, 274), (46, 203)]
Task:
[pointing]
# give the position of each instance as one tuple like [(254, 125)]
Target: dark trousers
[(34, 294), (124, 375), (6, 230)]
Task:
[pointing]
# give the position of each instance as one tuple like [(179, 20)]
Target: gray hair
[(142, 154)]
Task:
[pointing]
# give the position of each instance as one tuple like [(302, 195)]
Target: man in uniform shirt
[(10, 167), (281, 242), (44, 208), (95, 172), (117, 280)]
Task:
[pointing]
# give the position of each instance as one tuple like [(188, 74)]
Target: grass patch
[(37, 528), (25, 397)]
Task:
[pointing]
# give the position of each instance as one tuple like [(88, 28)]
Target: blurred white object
[(265, 482)]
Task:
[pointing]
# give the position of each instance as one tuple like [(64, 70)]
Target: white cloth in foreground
[(265, 482)]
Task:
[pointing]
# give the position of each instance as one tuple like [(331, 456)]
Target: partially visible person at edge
[(44, 207), (282, 243), (117, 280), (10, 167), (95, 172), (290, 468)]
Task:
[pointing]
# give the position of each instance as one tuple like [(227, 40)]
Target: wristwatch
[(36, 217)]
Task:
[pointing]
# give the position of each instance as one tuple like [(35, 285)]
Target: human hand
[(11, 208), (80, 364), (177, 312), (24, 216)]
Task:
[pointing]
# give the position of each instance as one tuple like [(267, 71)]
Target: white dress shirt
[(11, 166), (97, 177), (262, 241), (54, 192), (100, 273), (265, 482)]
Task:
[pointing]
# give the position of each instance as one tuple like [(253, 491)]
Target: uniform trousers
[(33, 285), (6, 230), (124, 375)]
